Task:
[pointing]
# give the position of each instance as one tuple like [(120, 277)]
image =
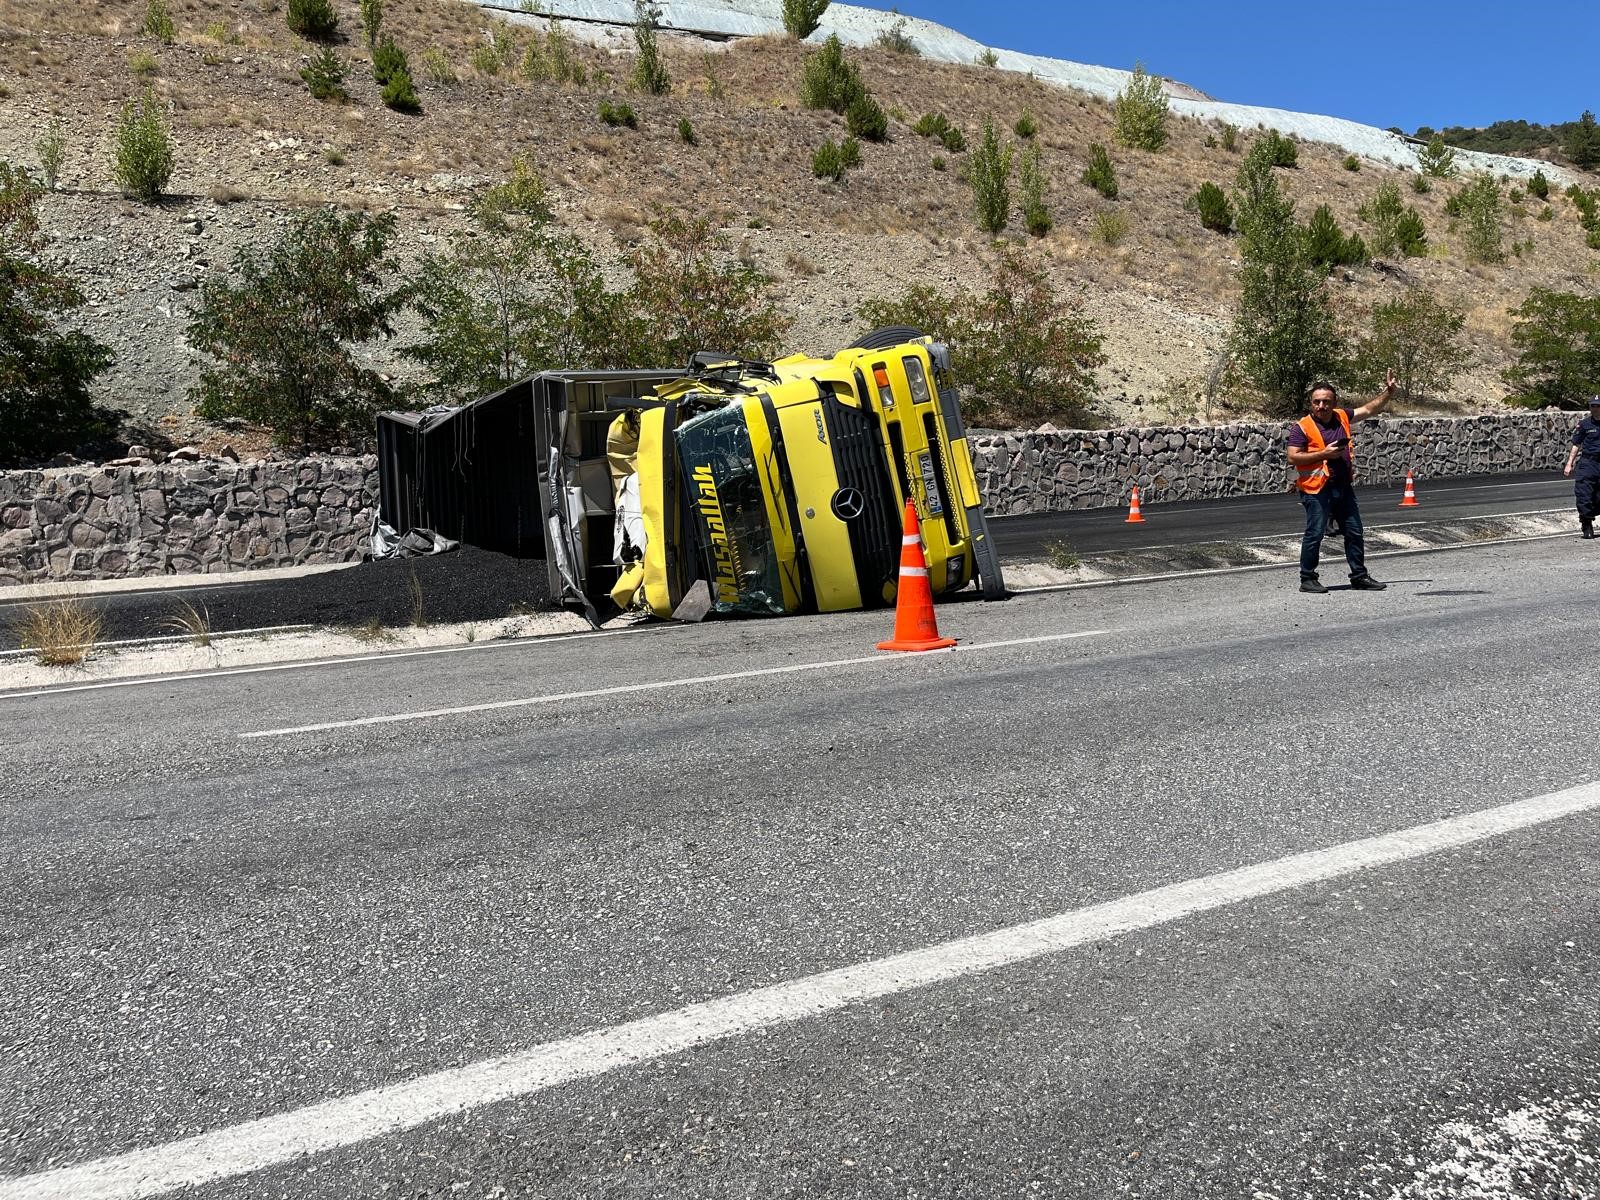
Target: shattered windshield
[(729, 514)]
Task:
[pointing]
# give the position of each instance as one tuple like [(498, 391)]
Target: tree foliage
[(1328, 246), (1025, 352), (1437, 159), (1216, 212), (1139, 113), (1100, 174), (1420, 337), (990, 171), (1284, 335), (324, 76), (1557, 336), (801, 17), (45, 372), (284, 324), (1394, 226), (1478, 205), (145, 158), (688, 295), (649, 71), (1031, 186), (371, 20), (1582, 142), (314, 19), (830, 80)]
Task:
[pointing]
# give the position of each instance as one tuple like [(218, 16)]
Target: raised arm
[(1375, 406)]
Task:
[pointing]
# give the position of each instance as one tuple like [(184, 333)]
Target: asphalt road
[(475, 585), (1092, 530), (208, 917)]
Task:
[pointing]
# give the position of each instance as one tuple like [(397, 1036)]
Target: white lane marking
[(508, 644), (626, 689), (348, 1120)]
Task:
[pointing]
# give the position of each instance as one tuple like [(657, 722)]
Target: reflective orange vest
[(1310, 479)]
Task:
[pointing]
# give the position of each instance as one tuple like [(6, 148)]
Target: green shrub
[(1211, 141), (314, 19), (1027, 125), (990, 172), (1100, 174), (284, 324), (649, 71), (987, 58), (618, 114), (436, 68), (1327, 244), (1437, 159), (1410, 235), (1479, 206), (485, 60), (1280, 151), (1582, 142), (801, 17), (1230, 137), (686, 132), (1139, 113), (1031, 187), (142, 63), (938, 163), (1025, 352), (827, 162), (850, 152), (158, 22), (45, 372), (1557, 336), (1352, 163), (324, 76), (1110, 227), (553, 58), (865, 119), (937, 125), (144, 155), (895, 39), (1547, 213), (1417, 335), (1539, 186), (387, 61), (830, 80), (400, 93), (371, 20), (1216, 212), (52, 149)]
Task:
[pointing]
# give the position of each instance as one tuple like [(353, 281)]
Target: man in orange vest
[(1325, 474)]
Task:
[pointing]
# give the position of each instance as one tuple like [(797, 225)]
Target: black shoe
[(1588, 529), (1366, 583), (1313, 585)]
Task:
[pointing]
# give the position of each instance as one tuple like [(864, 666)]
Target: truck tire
[(882, 339)]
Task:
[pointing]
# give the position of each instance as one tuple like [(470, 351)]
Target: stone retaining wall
[(1053, 470), (178, 518), (106, 522)]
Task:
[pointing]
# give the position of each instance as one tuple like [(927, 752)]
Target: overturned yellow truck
[(734, 487)]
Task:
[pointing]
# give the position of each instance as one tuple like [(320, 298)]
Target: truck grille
[(858, 454)]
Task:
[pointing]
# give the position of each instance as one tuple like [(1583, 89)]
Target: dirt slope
[(253, 146)]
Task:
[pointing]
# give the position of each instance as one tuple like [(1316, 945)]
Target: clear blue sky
[(1407, 64)]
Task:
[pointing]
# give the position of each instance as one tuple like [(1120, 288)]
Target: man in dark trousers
[(1583, 467), (1325, 473)]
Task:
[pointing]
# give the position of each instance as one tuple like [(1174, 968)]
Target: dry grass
[(61, 633), (370, 630), (192, 622)]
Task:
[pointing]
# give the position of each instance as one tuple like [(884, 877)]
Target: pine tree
[(1583, 142)]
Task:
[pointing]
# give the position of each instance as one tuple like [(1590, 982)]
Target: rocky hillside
[(253, 148)]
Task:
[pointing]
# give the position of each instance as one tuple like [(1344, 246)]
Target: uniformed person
[(1319, 451), (1583, 467)]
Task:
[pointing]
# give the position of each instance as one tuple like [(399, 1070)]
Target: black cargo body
[(521, 471)]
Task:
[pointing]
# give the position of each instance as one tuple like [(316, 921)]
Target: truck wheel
[(882, 339)]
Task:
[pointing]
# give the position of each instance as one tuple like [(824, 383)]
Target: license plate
[(930, 485)]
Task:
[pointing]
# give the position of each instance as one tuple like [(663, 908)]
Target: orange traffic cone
[(914, 624), (1410, 498), (1135, 517)]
